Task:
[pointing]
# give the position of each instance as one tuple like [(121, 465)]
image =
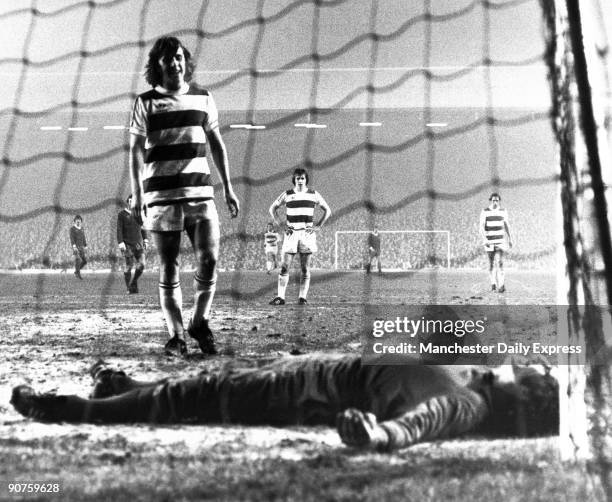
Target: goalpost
[(427, 248)]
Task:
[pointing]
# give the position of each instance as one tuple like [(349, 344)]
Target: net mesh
[(576, 40), (355, 65), (423, 111)]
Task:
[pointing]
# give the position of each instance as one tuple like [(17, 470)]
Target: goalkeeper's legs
[(188, 400)]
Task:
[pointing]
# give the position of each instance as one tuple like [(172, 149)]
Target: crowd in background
[(42, 241)]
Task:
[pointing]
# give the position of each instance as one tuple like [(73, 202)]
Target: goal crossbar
[(443, 232)]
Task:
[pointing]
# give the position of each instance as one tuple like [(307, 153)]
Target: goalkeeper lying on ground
[(378, 406)]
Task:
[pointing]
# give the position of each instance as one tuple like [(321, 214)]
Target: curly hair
[(527, 407), (166, 47)]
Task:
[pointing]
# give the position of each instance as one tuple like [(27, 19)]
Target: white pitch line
[(113, 127), (51, 128), (311, 126), (370, 124)]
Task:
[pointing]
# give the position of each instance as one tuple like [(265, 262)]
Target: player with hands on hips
[(300, 231)]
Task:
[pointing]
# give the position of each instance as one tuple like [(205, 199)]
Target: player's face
[(78, 223), (300, 180), (495, 202), (173, 70)]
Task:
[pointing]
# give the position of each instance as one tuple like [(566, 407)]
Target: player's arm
[(219, 153), (437, 418), (326, 212), (72, 239), (120, 221), (273, 210), (507, 227), (136, 164), (481, 227)]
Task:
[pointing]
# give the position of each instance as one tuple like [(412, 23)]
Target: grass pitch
[(55, 326)]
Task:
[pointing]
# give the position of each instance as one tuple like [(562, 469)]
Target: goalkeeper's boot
[(502, 289), (203, 335), (41, 407), (277, 301), (302, 301)]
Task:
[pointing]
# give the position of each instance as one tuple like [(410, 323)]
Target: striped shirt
[(300, 207), (175, 126), (271, 239), (492, 222)]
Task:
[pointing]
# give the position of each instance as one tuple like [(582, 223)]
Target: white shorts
[(271, 250), (300, 242), (176, 217)]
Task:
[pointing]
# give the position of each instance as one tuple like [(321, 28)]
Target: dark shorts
[(135, 251)]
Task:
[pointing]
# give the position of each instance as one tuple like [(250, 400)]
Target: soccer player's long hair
[(164, 47), (298, 172)]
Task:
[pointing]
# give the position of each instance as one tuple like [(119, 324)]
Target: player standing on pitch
[(133, 241), (493, 229), (79, 245), (271, 239), (300, 231), (171, 184), (373, 250)]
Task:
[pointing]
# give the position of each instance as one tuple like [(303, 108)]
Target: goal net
[(399, 249)]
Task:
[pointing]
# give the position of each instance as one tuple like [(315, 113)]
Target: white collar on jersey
[(183, 90)]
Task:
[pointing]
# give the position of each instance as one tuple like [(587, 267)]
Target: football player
[(493, 229), (300, 231), (132, 240), (271, 239), (372, 405)]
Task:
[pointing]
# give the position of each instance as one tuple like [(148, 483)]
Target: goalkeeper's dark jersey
[(412, 402)]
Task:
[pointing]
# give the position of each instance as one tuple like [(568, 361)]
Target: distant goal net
[(399, 249)]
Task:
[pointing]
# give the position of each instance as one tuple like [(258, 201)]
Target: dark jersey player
[(79, 245), (132, 240), (373, 250), (372, 405)]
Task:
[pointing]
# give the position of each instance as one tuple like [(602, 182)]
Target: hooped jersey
[(271, 239), (492, 223), (175, 126), (300, 207)]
